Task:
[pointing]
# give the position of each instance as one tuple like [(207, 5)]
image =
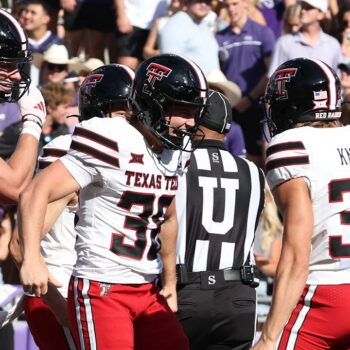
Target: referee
[(218, 205)]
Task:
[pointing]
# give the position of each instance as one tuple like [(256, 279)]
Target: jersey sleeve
[(90, 152), (286, 158), (55, 149)]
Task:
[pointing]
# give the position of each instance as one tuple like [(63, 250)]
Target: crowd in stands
[(236, 43)]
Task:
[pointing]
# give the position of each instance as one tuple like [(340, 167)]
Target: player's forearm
[(290, 280), (31, 213), (15, 249), (168, 237), (18, 171)]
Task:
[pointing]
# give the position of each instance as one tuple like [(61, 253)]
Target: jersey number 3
[(337, 249)]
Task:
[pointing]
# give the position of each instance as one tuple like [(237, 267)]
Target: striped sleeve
[(54, 150), (285, 160), (91, 152), (92, 146)]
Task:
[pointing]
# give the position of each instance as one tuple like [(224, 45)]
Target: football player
[(15, 87), (51, 329), (308, 170), (126, 171)]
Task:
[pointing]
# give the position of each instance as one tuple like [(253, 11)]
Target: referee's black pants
[(218, 319)]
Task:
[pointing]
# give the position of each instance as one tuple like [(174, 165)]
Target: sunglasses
[(57, 67)]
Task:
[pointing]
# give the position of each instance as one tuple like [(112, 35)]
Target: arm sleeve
[(287, 159)]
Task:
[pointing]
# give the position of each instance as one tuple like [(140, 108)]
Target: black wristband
[(32, 118)]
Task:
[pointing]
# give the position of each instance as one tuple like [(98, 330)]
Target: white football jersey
[(57, 247), (322, 158), (125, 192)]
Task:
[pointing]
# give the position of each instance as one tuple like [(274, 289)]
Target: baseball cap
[(218, 114), (217, 79), (322, 5)]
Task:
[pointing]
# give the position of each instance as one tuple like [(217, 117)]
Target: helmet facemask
[(14, 89), (157, 118), (14, 52)]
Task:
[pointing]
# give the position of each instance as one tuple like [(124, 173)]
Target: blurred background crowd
[(237, 44)]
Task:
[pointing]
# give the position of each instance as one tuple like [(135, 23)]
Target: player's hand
[(170, 296), (32, 106), (35, 276)]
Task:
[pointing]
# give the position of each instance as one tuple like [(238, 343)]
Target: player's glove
[(33, 111)]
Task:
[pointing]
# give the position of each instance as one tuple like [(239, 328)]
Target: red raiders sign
[(155, 72), (282, 77)]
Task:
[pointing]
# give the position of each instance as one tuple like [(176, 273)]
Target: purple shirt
[(45, 43), (273, 14), (9, 114), (234, 141), (242, 55)]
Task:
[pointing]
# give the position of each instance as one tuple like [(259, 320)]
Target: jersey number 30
[(139, 224)]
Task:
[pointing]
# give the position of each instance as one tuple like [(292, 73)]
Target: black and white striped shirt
[(218, 204)]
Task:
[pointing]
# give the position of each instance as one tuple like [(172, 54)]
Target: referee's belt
[(247, 274)]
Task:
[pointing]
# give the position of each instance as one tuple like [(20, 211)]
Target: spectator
[(134, 22), (151, 46), (309, 179), (291, 19), (215, 237), (234, 139), (90, 27), (186, 34), (343, 30), (345, 88), (255, 13), (310, 40), (36, 17), (58, 100), (119, 263), (245, 49), (273, 12), (54, 67), (267, 245), (267, 251)]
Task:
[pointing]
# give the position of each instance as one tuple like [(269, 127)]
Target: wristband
[(31, 127)]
